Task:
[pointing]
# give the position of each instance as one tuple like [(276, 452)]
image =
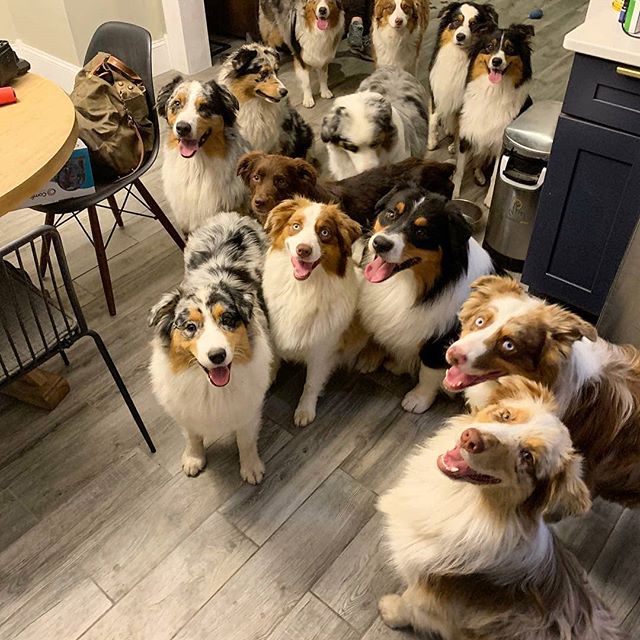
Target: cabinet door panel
[(588, 209)]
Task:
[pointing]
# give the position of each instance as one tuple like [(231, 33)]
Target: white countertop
[(601, 35)]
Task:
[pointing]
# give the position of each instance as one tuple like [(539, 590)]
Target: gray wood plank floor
[(100, 540)]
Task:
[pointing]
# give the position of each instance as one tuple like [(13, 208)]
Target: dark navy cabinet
[(590, 202)]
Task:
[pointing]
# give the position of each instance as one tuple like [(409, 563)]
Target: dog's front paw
[(193, 465), (432, 144), (252, 471), (417, 402), (369, 359), (392, 611), (304, 415), (479, 177), (393, 366), (308, 101), (326, 93)]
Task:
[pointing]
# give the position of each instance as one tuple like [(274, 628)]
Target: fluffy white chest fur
[(199, 187), (488, 109), (208, 411), (260, 123), (318, 48), (447, 80), (305, 315), (389, 312), (345, 164), (396, 48)]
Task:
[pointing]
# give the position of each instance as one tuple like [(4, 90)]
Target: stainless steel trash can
[(520, 174)]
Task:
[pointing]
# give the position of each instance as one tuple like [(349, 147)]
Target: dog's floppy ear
[(519, 388), (381, 205), (568, 327), (162, 314), (279, 216), (164, 94), (491, 285), (348, 228), (459, 229), (243, 57), (245, 303), (452, 6), (525, 31), (246, 164), (331, 124), (568, 495), (491, 13), (223, 102), (305, 171)]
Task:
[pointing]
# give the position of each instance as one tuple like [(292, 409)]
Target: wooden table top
[(37, 135)]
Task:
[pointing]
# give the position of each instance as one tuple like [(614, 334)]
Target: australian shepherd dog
[(310, 287), (211, 361), (272, 179), (596, 383), (312, 30), (497, 91), (266, 119), (466, 531), (419, 266), (201, 153), (396, 32), (384, 122), (460, 24)]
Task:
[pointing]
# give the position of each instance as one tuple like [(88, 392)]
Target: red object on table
[(7, 95)]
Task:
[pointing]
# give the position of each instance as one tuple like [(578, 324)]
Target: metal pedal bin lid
[(530, 135)]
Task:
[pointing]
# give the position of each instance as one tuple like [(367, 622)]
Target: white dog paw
[(304, 415), (416, 402), (253, 471), (326, 93), (193, 465), (391, 610), (432, 145), (308, 101)]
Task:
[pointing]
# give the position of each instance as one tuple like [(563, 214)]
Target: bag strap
[(111, 61)]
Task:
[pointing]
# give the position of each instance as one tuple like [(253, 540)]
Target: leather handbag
[(113, 114)]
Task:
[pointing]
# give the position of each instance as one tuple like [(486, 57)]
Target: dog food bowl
[(471, 211)]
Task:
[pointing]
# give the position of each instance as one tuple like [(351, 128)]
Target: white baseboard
[(63, 73)]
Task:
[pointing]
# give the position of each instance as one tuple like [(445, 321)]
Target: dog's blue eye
[(507, 345), (296, 226)]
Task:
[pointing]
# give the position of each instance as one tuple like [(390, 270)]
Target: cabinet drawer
[(598, 92), (588, 209)]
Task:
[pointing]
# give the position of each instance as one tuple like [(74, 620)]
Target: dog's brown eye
[(255, 177), (176, 104), (190, 328), (280, 182), (526, 457)]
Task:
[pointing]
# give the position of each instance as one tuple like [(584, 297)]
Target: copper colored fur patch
[(480, 65), (182, 350), (337, 248)]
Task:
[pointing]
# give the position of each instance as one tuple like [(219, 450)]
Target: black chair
[(39, 321), (132, 44)]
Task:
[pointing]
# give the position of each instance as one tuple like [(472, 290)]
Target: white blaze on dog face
[(303, 243), (398, 18), (462, 32)]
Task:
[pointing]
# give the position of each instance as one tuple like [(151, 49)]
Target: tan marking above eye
[(217, 310), (400, 207), (421, 222)]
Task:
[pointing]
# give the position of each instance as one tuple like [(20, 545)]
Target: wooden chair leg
[(116, 210), (101, 255), (154, 207), (49, 218)]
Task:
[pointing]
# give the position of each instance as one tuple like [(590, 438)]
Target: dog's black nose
[(218, 356), (283, 92), (496, 62), (183, 129), (382, 244), (460, 37), (259, 203), (322, 12)]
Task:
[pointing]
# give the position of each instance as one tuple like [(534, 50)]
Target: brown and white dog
[(201, 153), (396, 32), (312, 30), (466, 531), (596, 383), (311, 287), (272, 179)]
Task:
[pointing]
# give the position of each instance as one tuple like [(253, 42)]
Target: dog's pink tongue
[(378, 270), (322, 24), (219, 376), (187, 147), (457, 379), (301, 270), (495, 77)]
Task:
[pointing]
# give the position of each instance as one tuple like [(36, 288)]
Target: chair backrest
[(132, 44), (39, 313)]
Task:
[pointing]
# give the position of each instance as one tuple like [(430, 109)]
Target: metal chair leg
[(154, 207), (124, 392), (101, 255), (63, 355), (49, 218), (117, 214)]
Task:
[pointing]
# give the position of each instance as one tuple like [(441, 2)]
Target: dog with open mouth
[(311, 30), (266, 119), (466, 531), (311, 287), (497, 91), (418, 269), (597, 384), (212, 359), (201, 152)]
